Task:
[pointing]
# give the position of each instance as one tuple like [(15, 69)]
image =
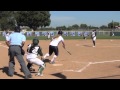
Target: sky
[(93, 18)]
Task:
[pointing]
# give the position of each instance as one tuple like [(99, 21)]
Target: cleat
[(39, 74), (52, 62)]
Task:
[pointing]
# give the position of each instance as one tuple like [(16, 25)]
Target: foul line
[(110, 46), (104, 61), (90, 63)]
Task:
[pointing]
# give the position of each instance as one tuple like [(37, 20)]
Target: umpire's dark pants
[(16, 51)]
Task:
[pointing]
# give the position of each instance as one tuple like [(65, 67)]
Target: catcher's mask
[(35, 41)]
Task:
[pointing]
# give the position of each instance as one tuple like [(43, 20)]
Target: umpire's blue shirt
[(16, 38)]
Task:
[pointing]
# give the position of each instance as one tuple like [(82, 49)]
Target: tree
[(83, 26), (75, 26), (33, 19), (6, 21), (69, 28), (92, 27), (103, 27), (113, 24), (5, 14), (61, 28)]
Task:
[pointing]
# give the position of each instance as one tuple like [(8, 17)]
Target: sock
[(46, 55), (53, 59), (41, 68)]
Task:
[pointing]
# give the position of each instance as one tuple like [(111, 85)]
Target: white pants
[(48, 36), (36, 61), (94, 38)]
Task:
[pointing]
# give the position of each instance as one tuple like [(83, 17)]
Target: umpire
[(15, 42)]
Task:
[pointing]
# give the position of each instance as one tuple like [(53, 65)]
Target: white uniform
[(93, 36), (48, 36), (33, 53), (7, 36), (56, 41), (53, 47)]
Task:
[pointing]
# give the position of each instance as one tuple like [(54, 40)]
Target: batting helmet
[(35, 41), (17, 29), (60, 32)]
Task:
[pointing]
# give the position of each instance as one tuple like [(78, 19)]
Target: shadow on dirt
[(107, 77), (87, 45), (59, 75), (46, 61), (5, 70)]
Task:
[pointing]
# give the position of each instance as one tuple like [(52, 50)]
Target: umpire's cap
[(35, 41), (60, 32), (17, 29)]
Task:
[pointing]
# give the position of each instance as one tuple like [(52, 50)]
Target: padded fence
[(66, 33)]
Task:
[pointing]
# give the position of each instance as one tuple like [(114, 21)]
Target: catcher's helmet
[(60, 32), (17, 29), (35, 41)]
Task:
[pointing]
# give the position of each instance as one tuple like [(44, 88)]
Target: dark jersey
[(34, 50)]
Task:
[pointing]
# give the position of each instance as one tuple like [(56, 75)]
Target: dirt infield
[(86, 62)]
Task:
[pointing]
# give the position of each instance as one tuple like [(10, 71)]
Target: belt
[(14, 45)]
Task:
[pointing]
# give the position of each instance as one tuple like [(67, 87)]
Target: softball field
[(85, 61)]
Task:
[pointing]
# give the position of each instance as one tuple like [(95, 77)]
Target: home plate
[(68, 70), (57, 64)]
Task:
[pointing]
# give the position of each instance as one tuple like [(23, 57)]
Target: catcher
[(33, 51)]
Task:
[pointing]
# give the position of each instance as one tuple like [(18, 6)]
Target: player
[(53, 46), (93, 36), (7, 34), (48, 35), (33, 51), (85, 34)]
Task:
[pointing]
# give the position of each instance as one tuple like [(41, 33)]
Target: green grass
[(108, 37), (2, 38), (77, 37), (98, 37), (67, 37)]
